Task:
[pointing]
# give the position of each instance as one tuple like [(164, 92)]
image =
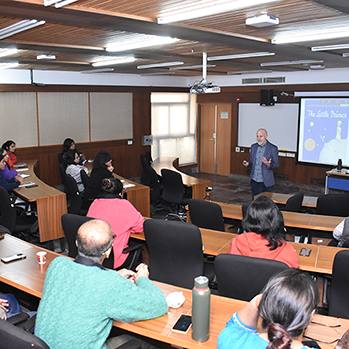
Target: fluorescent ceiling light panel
[(58, 3), (114, 61), (248, 72), (220, 7), (346, 54), (19, 27), (159, 73), (330, 47), (158, 65), (311, 35), (262, 21), (140, 41), (242, 55), (101, 70), (45, 57), (193, 67), (8, 65), (317, 66), (270, 64), (7, 51)]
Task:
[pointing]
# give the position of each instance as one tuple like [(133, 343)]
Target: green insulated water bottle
[(201, 309)]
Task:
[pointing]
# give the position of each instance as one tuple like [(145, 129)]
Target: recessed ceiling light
[(330, 47), (19, 27), (158, 65), (242, 55), (119, 60), (8, 65), (140, 41), (220, 7), (101, 70), (270, 64), (7, 51), (193, 67), (46, 57), (248, 72)]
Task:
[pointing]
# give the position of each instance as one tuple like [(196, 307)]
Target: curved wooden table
[(171, 163), (51, 203), (28, 276)]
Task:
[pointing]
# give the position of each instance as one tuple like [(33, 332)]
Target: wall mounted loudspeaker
[(266, 97)]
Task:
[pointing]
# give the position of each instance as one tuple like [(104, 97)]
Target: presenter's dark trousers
[(258, 187)]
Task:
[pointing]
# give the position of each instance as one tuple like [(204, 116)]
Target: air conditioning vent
[(274, 80), (252, 81)]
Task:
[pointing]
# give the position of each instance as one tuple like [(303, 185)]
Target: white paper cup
[(41, 257)]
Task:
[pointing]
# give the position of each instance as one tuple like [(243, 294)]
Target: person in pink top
[(121, 215), (264, 234)]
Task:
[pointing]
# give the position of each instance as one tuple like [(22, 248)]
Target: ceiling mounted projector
[(262, 21)]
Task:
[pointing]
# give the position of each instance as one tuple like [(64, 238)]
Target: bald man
[(263, 160), (81, 299)]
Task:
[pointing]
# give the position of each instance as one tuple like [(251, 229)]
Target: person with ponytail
[(121, 215), (286, 307)]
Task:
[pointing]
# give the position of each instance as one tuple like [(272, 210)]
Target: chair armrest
[(131, 344), (16, 319), (29, 324), (132, 248)]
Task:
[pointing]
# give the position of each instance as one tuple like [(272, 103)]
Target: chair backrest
[(84, 178), (7, 211), (148, 156), (243, 277), (73, 194), (62, 168), (175, 252), (70, 224), (333, 205), (205, 214), (338, 302), (155, 184), (294, 203), (173, 188), (14, 337), (145, 179)]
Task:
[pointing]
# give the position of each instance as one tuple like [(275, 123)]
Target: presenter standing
[(263, 160)]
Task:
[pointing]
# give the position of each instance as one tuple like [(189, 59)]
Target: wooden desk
[(292, 219), (51, 204), (171, 163), (278, 198), (29, 276), (25, 274)]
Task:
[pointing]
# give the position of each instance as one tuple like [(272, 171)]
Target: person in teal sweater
[(81, 299)]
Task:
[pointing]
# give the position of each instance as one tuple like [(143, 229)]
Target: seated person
[(7, 173), (286, 307), (69, 144), (72, 160), (340, 233), (8, 184), (81, 299), (123, 218), (101, 168), (10, 147), (264, 234)]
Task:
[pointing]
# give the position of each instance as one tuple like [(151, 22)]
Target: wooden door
[(215, 138), (207, 142), (223, 139)]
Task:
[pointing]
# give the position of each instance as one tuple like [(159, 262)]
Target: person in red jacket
[(264, 234), (10, 147)]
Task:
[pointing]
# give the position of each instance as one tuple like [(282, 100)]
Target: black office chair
[(338, 302), (23, 225), (175, 252), (205, 214), (15, 337), (74, 196), (243, 277), (148, 157), (62, 173), (333, 205), (145, 179), (294, 203), (84, 178), (173, 193), (72, 222)]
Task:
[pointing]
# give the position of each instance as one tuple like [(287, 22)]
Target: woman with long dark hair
[(286, 307), (264, 234)]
